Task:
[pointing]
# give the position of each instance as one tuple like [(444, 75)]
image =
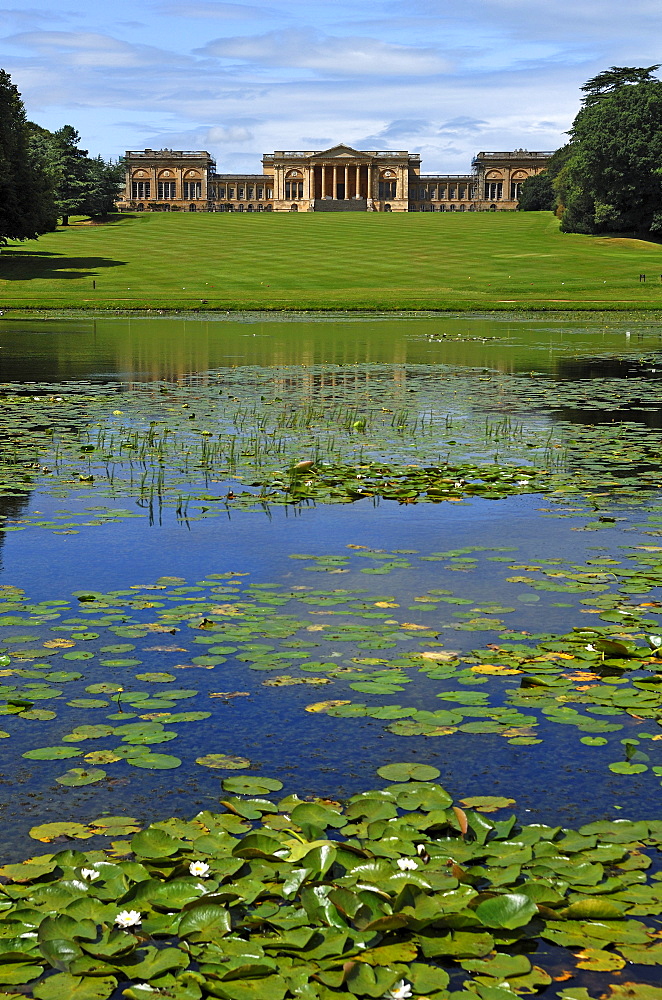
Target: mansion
[(340, 179)]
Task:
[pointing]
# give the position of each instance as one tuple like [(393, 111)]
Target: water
[(533, 370)]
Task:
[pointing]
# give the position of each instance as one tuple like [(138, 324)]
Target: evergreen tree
[(612, 181), (537, 193), (25, 201), (107, 179), (75, 182)]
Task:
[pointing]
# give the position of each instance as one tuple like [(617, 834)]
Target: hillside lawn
[(354, 261)]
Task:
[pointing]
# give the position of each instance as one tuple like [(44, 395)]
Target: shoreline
[(222, 314)]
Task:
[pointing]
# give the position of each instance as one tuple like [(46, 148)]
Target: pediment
[(341, 151)]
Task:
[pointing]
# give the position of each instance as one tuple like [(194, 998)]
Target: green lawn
[(336, 261)]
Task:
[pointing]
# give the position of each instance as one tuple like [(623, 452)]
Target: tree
[(612, 180), (106, 178), (26, 207), (537, 193), (75, 183)]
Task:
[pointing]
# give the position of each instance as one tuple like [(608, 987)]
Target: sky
[(443, 79)]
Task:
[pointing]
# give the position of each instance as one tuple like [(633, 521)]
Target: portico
[(306, 180)]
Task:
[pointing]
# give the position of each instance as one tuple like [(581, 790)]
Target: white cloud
[(304, 48), (91, 49), (218, 11)]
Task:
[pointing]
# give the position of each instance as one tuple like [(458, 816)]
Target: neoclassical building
[(340, 179)]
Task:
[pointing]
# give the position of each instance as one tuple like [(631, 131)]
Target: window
[(140, 189), (442, 191), (452, 192), (494, 190), (192, 189), (250, 192), (166, 189), (463, 191), (270, 193), (231, 193), (240, 193), (387, 190), (260, 192), (221, 191), (293, 189)]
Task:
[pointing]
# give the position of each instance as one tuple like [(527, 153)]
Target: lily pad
[(222, 761), (80, 776), (408, 772)]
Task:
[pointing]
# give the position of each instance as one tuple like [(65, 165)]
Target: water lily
[(198, 868), (145, 986), (128, 918), (591, 648), (407, 865), (401, 991), (89, 874)]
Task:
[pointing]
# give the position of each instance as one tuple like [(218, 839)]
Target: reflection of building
[(340, 179)]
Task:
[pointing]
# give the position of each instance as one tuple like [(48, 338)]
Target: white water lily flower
[(198, 868), (89, 874), (407, 865), (128, 918), (522, 482), (145, 986), (401, 991), (591, 648), (202, 887)]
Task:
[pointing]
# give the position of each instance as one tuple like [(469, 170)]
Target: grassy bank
[(456, 261)]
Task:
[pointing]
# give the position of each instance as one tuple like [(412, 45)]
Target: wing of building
[(340, 179)]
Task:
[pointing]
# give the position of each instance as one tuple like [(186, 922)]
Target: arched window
[(294, 208), (193, 208)]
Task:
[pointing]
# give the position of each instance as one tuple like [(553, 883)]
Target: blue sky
[(239, 79)]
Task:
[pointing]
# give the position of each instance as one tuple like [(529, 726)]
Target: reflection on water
[(162, 348)]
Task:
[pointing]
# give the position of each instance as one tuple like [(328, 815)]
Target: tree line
[(608, 177), (46, 176)]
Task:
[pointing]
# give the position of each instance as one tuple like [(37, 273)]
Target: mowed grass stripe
[(452, 261)]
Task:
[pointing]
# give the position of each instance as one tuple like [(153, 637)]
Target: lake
[(464, 389)]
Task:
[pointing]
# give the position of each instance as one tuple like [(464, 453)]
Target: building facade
[(340, 179)]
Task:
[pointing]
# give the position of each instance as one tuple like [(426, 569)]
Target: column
[(346, 182), (334, 193), (323, 171), (369, 181)]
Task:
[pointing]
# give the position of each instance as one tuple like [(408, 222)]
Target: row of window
[(155, 207), (440, 208), (294, 189), (442, 192), (166, 190), (244, 192)]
